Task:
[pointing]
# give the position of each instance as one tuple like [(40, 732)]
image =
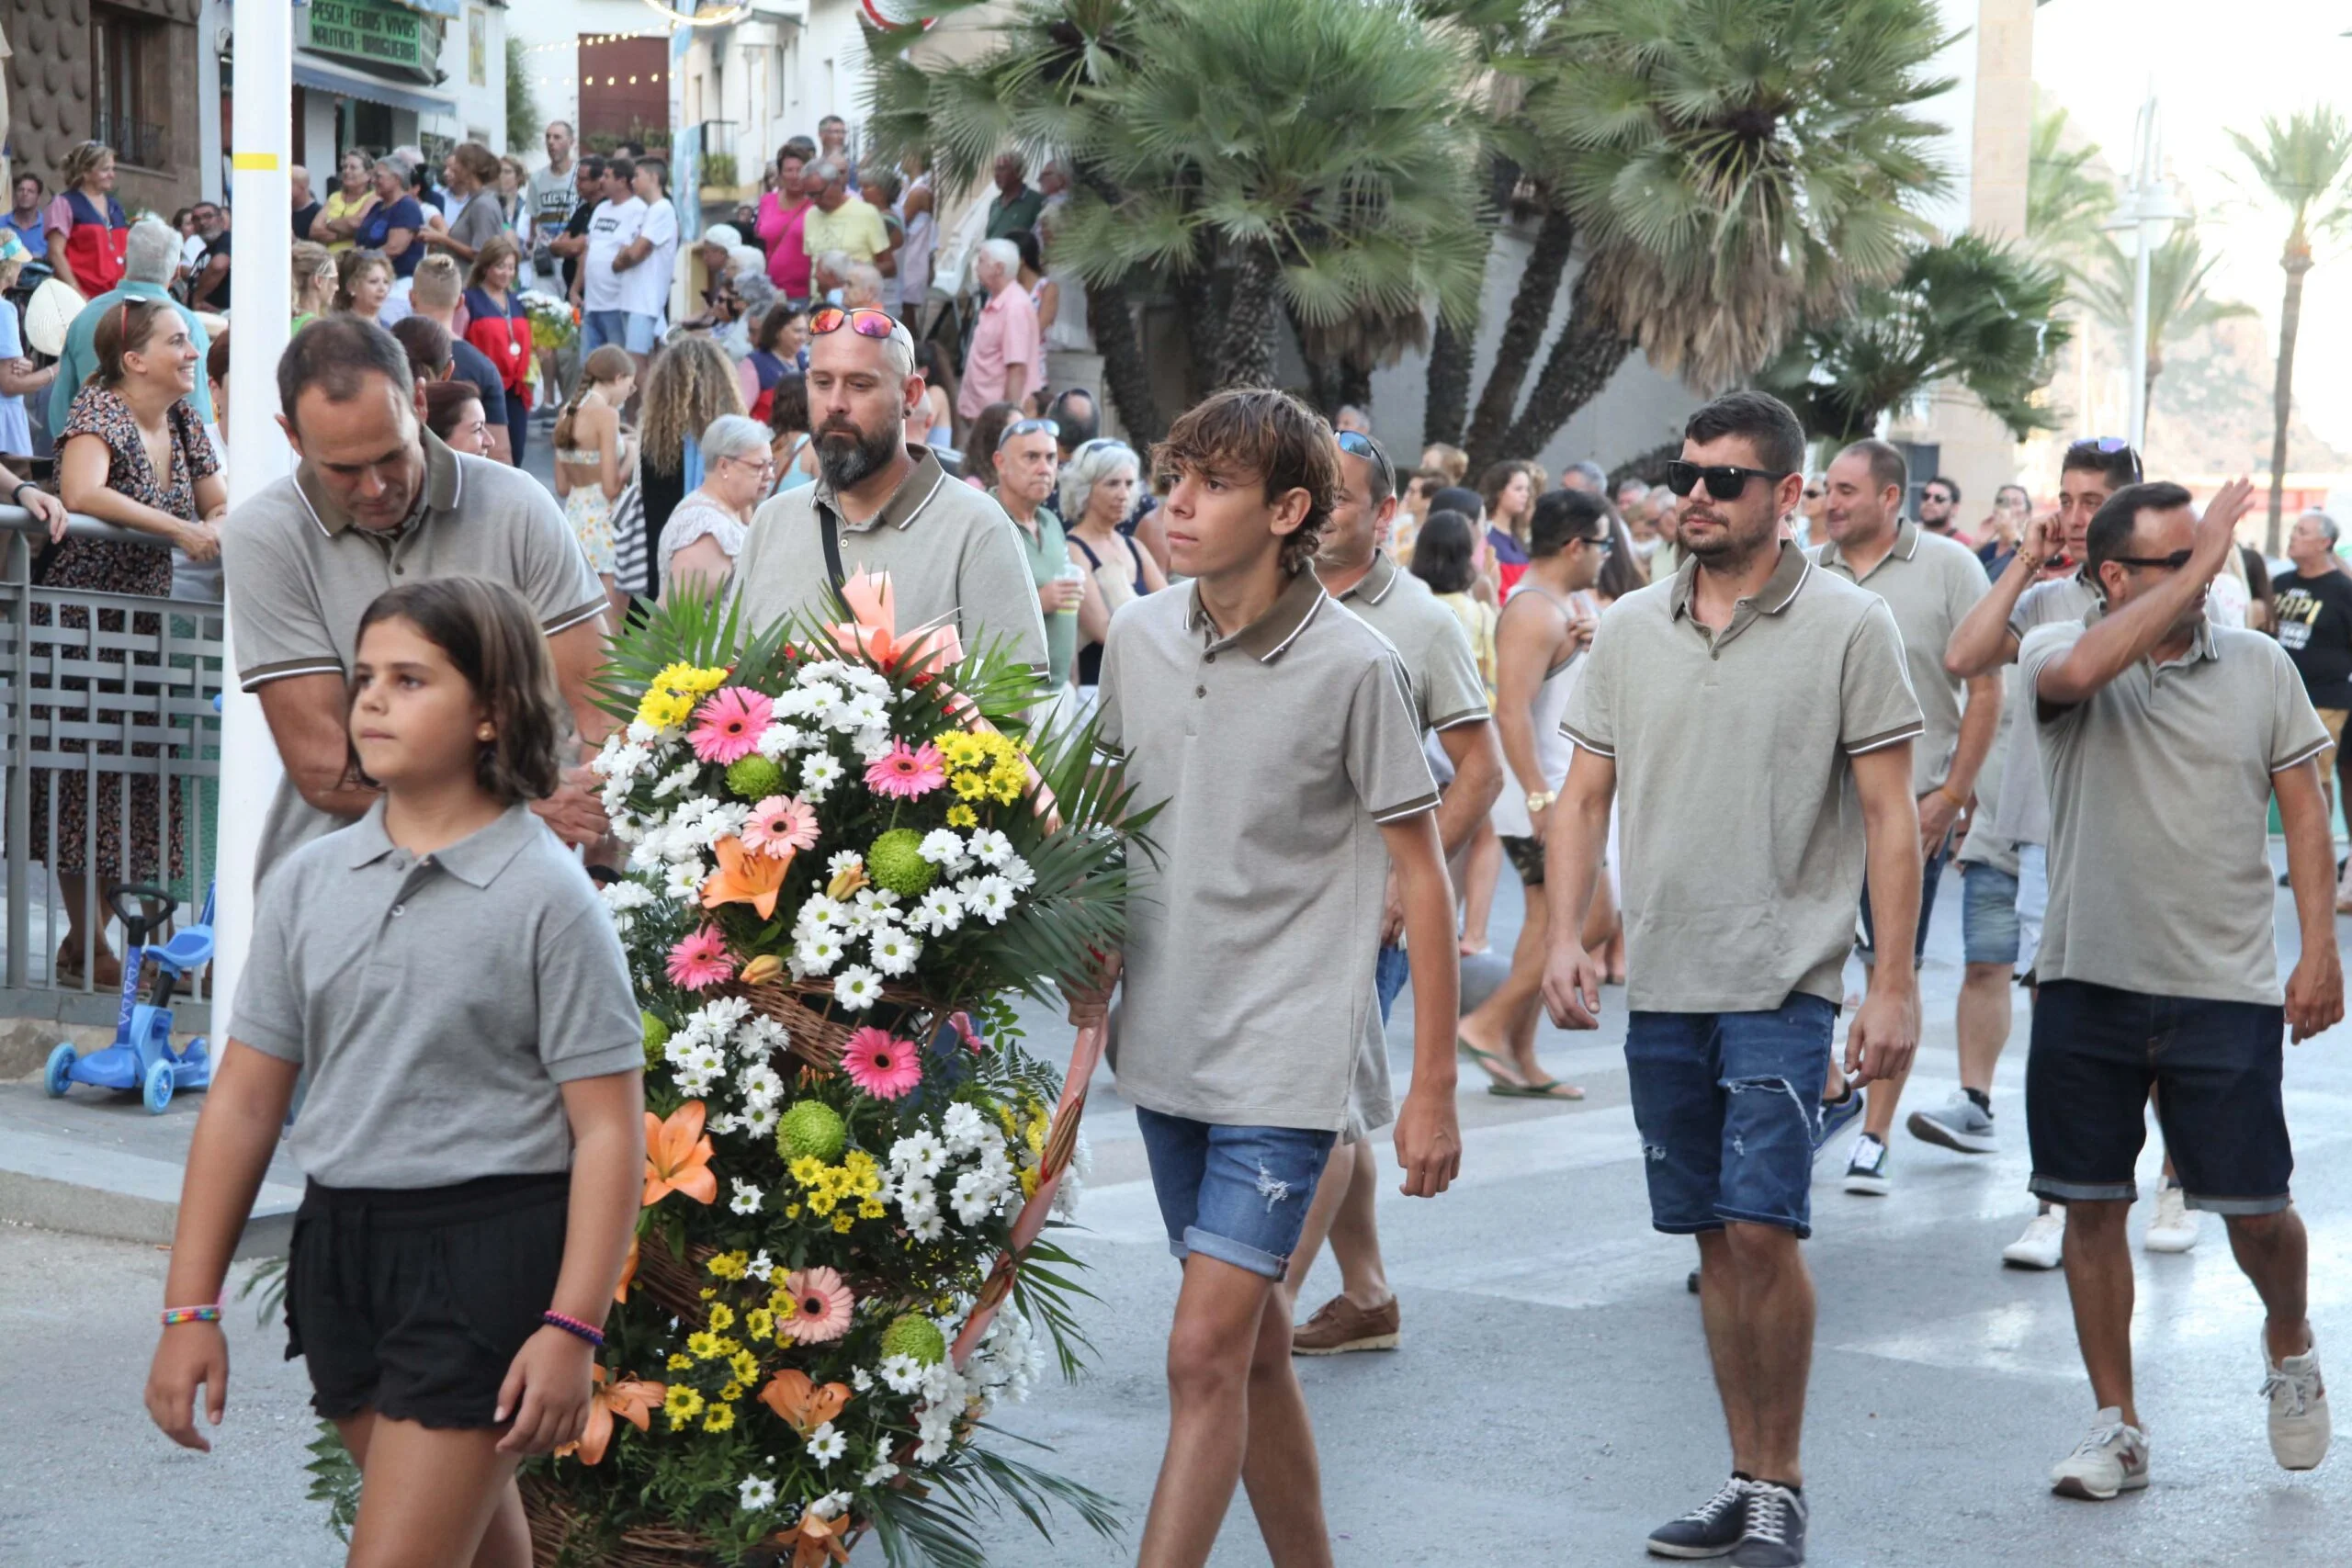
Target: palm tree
[(2179, 307), (1974, 312), (2066, 202), (1728, 170), (2302, 164)]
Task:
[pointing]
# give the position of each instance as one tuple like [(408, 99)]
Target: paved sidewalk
[(1550, 1403)]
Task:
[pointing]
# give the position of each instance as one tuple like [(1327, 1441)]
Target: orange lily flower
[(794, 1397), (744, 877), (628, 1271), (677, 1156), (632, 1400), (816, 1541), (873, 631)]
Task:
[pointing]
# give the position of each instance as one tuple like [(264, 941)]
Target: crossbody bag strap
[(832, 534)]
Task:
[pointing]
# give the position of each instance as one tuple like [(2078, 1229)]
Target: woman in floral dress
[(133, 453)]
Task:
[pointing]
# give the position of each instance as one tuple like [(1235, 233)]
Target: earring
[(486, 733)]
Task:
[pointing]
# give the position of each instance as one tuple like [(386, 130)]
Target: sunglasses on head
[(1724, 482), (2107, 446), (1028, 427), (864, 321), (1355, 443)]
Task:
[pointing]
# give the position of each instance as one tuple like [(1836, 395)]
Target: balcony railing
[(135, 140)]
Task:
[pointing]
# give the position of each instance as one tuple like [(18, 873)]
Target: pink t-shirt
[(1005, 336), (780, 232)]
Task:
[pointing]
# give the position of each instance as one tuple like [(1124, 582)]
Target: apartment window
[(130, 51)]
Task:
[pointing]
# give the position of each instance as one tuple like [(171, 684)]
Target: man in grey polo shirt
[(2163, 740), (1756, 710), (377, 502), (881, 505), (1450, 700), (1930, 583)]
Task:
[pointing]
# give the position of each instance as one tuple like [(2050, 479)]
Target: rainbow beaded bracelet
[(574, 1327), (191, 1314)]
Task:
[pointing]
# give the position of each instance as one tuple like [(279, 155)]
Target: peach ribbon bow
[(873, 630)]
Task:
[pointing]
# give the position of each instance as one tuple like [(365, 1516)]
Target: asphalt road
[(1550, 1402)]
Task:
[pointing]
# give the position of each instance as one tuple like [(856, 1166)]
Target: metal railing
[(109, 770), (137, 141)]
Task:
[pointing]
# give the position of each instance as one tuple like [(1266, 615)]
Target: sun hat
[(50, 313)]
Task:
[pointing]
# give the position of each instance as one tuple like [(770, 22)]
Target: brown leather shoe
[(1339, 1325)]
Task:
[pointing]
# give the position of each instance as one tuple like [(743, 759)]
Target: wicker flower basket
[(564, 1538)]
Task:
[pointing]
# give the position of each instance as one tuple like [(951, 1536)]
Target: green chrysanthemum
[(810, 1129), (917, 1339), (754, 778), (895, 863), (657, 1035)]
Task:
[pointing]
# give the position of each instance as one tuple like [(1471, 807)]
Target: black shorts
[(413, 1302), (1526, 856), (2215, 1067)]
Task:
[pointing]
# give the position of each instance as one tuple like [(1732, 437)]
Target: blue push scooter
[(141, 1057)]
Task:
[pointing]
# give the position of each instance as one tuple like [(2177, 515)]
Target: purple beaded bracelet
[(574, 1327)]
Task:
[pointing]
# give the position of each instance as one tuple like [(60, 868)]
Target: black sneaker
[(1774, 1537), (1710, 1529)]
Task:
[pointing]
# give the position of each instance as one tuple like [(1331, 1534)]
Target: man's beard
[(864, 454)]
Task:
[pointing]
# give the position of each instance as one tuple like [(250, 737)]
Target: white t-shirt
[(612, 230), (645, 287)]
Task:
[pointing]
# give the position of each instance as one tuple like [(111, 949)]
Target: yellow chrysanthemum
[(722, 1317), (1005, 788), (729, 1265), (682, 1403), (760, 1324), (744, 1365), (732, 1390), (970, 786), (1029, 1181), (871, 1209), (680, 1361), (792, 1211), (721, 1420), (822, 1203), (702, 1346), (961, 816), (807, 1171), (842, 1224)]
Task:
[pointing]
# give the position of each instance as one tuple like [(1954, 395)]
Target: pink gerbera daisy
[(780, 825), (701, 960), (882, 1066), (727, 724), (907, 773), (820, 1304)]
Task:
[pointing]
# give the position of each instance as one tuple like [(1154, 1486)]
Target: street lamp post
[(2147, 213)]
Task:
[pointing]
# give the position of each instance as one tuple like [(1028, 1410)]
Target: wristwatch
[(1538, 799)]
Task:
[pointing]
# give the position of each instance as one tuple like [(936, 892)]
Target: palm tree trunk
[(1127, 376), (1447, 407), (1245, 340), (2297, 262), (1523, 329), (1585, 356), (1198, 294)]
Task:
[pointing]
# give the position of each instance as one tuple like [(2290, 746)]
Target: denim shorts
[(1389, 977), (1988, 915), (2215, 1067), (1237, 1194), (622, 329), (1727, 1104), (1930, 874)]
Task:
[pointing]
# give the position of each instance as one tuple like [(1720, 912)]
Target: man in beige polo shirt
[(1450, 700), (882, 505), (1755, 711), (2165, 739), (1930, 583)]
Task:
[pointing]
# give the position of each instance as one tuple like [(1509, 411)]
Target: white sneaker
[(2174, 1227), (2300, 1428), (2111, 1458), (1866, 1168), (2043, 1244)]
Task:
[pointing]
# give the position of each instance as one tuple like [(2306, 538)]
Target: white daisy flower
[(677, 781), (990, 898), (873, 744), (895, 950), (931, 1227), (761, 1266), (761, 1120), (760, 1038), (858, 987), (902, 1374), (747, 1197), (756, 1494), (861, 1379), (830, 1506), (920, 1152), (626, 895), (1016, 871), (683, 881), (760, 1084), (726, 1121), (641, 733), (990, 847), (818, 953), (818, 773), (843, 860), (964, 1128), (817, 912), (825, 1445), (883, 1471), (942, 846), (937, 912), (866, 711), (779, 741)]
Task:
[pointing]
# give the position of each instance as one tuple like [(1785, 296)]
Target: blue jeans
[(1727, 1104), (1389, 975), (1237, 1194), (2215, 1065)]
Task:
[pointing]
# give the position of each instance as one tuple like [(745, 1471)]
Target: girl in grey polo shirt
[(443, 974)]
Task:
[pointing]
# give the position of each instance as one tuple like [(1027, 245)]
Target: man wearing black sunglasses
[(1755, 710), (2165, 740)]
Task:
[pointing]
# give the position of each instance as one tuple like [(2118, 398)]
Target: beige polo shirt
[(2022, 808), (1930, 583), (1441, 668), (952, 554), (1247, 997), (1740, 838), (300, 575), (2160, 789)]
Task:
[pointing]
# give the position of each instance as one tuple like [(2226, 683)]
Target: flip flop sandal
[(1537, 1091), (1494, 1066)]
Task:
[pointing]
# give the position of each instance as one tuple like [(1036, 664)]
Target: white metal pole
[(2140, 341), (261, 137)]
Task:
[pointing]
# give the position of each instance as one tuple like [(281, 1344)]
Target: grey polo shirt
[(1441, 668), (2160, 789), (952, 557), (1930, 583), (300, 575), (428, 1066), (1740, 838), (1279, 751), (2021, 810)]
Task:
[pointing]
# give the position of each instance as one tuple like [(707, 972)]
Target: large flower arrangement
[(844, 861)]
